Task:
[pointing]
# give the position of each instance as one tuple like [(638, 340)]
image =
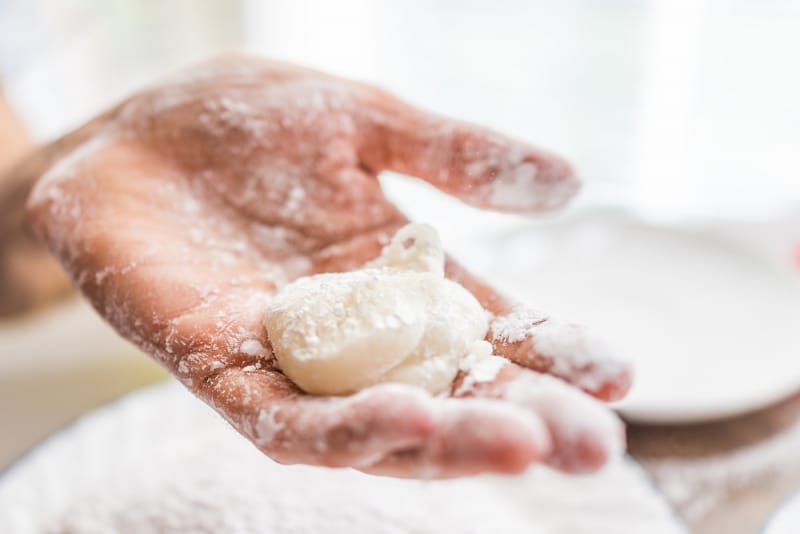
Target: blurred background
[(685, 106), (681, 116)]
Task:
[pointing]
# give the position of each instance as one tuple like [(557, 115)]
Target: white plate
[(787, 519), (710, 321), (161, 461), (709, 314)]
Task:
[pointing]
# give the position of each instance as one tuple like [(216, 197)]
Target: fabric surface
[(160, 461)]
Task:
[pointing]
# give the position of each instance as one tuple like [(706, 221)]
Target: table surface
[(728, 476)]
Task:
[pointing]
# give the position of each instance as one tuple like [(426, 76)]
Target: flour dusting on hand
[(575, 353), (517, 324)]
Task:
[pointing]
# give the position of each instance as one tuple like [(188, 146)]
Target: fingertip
[(589, 452), (510, 176), (539, 183), (585, 434), (616, 386), (482, 435), (558, 172)]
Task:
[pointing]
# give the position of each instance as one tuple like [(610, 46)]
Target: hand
[(181, 211)]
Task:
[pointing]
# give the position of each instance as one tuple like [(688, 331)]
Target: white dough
[(395, 320)]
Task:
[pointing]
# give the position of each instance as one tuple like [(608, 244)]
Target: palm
[(182, 210)]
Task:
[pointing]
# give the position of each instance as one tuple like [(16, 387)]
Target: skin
[(181, 211)]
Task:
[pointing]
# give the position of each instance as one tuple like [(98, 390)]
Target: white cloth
[(159, 461)]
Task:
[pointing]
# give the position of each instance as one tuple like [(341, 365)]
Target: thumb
[(479, 166)]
